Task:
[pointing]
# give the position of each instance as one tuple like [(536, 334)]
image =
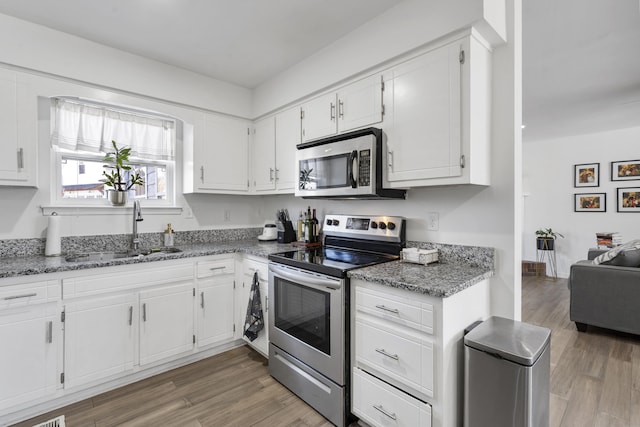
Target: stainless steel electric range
[(309, 308)]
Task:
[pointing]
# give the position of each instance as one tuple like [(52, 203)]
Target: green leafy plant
[(115, 176), (547, 233)]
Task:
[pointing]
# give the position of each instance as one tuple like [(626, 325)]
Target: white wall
[(549, 192)]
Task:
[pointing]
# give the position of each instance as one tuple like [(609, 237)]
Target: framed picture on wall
[(625, 170), (629, 199), (590, 202), (586, 175)]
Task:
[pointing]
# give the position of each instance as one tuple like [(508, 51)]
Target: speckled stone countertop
[(438, 280), (39, 264)]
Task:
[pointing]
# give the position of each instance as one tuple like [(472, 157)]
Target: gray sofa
[(607, 296)]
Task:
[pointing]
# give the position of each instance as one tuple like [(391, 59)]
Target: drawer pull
[(390, 310), (130, 315), (381, 409), (19, 296), (222, 267), (389, 355), (202, 300)]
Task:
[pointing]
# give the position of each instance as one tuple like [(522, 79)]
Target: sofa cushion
[(625, 255)]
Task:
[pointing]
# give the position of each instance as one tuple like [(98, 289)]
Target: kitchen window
[(82, 132)]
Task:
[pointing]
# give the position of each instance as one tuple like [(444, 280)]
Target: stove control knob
[(391, 226), (382, 225), (336, 222), (374, 224), (329, 222)]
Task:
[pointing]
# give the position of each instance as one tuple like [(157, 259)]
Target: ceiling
[(581, 60)]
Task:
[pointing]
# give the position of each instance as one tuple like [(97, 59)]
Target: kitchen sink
[(110, 255)]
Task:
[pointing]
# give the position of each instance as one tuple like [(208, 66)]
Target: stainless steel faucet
[(137, 217)]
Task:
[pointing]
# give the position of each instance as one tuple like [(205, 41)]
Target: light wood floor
[(595, 376), (595, 382)]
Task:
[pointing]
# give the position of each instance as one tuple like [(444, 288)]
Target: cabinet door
[(263, 155), (425, 139), (9, 149), (100, 334), (30, 337), (287, 137), (166, 322), (221, 154), (319, 117), (215, 318), (261, 343), (360, 104)]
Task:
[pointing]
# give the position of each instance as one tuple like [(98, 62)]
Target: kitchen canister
[(52, 244)]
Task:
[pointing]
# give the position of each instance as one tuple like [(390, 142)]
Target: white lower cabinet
[(408, 353), (215, 299), (379, 404), (30, 337), (166, 322), (100, 337), (250, 266)]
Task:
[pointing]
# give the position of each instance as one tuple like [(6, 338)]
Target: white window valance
[(90, 127)]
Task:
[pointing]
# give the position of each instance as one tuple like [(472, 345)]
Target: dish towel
[(253, 321)]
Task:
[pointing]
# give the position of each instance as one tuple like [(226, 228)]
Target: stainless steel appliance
[(343, 166), (309, 308)]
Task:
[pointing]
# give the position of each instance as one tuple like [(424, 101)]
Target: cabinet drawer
[(216, 267), (403, 311), (29, 293), (381, 405), (402, 359), (250, 267)]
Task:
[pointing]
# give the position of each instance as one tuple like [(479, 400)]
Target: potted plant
[(116, 177), (546, 238)]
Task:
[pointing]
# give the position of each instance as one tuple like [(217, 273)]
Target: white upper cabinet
[(216, 160), (17, 131), (273, 152), (356, 105), (439, 113)]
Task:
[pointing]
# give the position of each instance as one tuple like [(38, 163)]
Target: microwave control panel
[(364, 168)]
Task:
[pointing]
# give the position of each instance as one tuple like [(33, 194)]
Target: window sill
[(78, 210)]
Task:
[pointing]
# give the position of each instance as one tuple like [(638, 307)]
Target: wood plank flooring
[(595, 376), (595, 382)]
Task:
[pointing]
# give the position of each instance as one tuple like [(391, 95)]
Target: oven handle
[(307, 279)]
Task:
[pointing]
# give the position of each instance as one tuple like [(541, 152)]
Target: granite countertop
[(39, 264), (437, 279)]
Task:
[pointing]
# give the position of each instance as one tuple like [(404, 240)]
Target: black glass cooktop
[(330, 261)]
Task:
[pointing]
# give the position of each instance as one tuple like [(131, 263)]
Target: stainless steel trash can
[(507, 369)]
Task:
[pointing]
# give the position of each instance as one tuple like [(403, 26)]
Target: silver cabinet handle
[(20, 158), (130, 315), (144, 312), (381, 409), (202, 300), (266, 302), (202, 174), (277, 177), (341, 109), (271, 174), (390, 159), (218, 268), (49, 332), (390, 310), (20, 296), (389, 355), (333, 111)]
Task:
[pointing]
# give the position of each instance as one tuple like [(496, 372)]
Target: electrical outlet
[(433, 221), (227, 215)]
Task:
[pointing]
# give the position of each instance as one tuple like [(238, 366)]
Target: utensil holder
[(286, 233)]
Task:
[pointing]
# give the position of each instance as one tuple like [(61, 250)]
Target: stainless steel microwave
[(347, 166)]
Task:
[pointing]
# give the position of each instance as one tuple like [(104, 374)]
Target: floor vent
[(56, 422)]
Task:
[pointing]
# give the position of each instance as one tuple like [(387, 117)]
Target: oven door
[(306, 318), (343, 168)]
